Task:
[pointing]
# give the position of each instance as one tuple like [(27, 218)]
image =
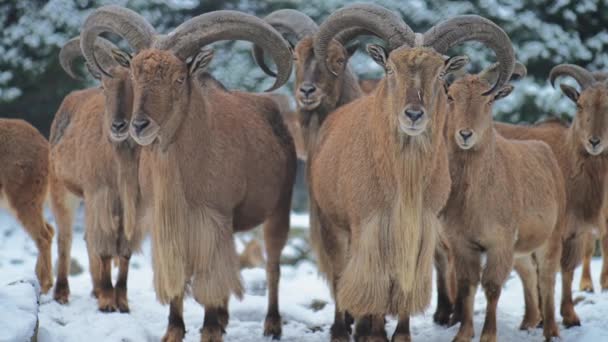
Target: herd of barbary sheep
[(403, 174)]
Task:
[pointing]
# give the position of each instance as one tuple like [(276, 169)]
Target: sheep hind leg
[(586, 283), (120, 290), (276, 230), (63, 205), (42, 234), (570, 257), (525, 268), (548, 263), (212, 330), (106, 300), (176, 329)]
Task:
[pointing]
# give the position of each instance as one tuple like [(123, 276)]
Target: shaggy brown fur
[(507, 200), (216, 162), (377, 190), (24, 178), (586, 177), (92, 161)]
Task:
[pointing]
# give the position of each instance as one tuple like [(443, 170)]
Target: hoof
[(455, 319), (62, 292), (122, 303), (273, 327), (488, 338), (442, 317), (530, 323), (372, 338), (339, 333), (586, 287), (401, 338), (572, 321), (551, 332), (106, 302), (212, 334), (174, 334)]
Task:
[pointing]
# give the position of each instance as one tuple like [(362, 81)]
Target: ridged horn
[(463, 28), (118, 20), (581, 75), (208, 28), (374, 19), (71, 51)]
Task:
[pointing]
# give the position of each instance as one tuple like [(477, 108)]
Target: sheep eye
[(450, 98), (389, 70), (180, 80)]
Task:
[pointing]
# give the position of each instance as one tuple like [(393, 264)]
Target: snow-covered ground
[(302, 297)]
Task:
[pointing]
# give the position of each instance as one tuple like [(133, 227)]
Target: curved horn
[(71, 51), (207, 28), (464, 28), (581, 75), (600, 76), (378, 20), (490, 74), (291, 24), (119, 20)]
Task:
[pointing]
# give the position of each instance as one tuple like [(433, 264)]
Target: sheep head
[(470, 108), (117, 88), (590, 124), (164, 68), (414, 63)]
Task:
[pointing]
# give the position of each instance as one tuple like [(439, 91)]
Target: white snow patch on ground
[(300, 286)]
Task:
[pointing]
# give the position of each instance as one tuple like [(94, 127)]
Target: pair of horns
[(349, 22), (187, 38)]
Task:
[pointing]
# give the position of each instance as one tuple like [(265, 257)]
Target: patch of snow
[(300, 287)]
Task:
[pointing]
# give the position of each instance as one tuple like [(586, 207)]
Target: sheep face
[(470, 111), (118, 92), (591, 120), (315, 85), (414, 84), (160, 93)]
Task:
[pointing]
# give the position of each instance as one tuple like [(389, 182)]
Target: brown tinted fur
[(333, 91), (87, 164), (381, 190), (24, 177), (222, 162), (507, 198), (585, 175)]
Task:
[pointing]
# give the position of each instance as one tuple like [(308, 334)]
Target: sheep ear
[(122, 58), (503, 92), (201, 60), (571, 92), (378, 54), (454, 64)]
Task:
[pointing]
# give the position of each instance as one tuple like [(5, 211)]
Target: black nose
[(594, 141), (413, 114), (119, 125), (140, 124), (465, 134), (307, 89)]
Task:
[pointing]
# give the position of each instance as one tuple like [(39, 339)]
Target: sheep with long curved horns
[(94, 158), (213, 161), (380, 173)]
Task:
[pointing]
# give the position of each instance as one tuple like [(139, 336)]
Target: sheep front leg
[(120, 290), (176, 330), (468, 267), (497, 269), (370, 328), (445, 281), (604, 244), (106, 300), (548, 263), (402, 332), (572, 250)]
